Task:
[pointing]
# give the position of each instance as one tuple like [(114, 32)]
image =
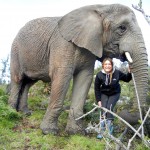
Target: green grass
[(78, 142), (23, 132), (19, 132)]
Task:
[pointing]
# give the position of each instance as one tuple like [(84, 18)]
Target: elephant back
[(32, 46), (37, 32)]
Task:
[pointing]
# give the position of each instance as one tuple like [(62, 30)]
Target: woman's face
[(107, 66)]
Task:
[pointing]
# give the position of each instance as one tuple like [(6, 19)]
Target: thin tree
[(140, 9), (4, 69)]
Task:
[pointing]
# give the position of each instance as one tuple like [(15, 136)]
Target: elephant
[(58, 49)]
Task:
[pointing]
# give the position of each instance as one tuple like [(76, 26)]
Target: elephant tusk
[(128, 56)]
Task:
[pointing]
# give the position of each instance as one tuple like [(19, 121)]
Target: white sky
[(15, 13)]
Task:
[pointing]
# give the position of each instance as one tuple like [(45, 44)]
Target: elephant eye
[(122, 28)]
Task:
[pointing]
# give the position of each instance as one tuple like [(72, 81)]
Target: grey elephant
[(57, 49)]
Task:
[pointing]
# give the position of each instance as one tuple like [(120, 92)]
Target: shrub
[(7, 114)]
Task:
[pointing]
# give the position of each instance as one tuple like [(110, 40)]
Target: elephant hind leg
[(19, 94), (23, 95), (14, 94)]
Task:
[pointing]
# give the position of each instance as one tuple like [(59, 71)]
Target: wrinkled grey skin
[(61, 48)]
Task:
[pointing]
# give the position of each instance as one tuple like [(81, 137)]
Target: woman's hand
[(129, 70), (99, 104)]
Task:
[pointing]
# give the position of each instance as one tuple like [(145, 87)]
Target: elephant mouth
[(112, 50), (121, 57), (125, 57)]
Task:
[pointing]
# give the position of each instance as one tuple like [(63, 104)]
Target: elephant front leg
[(81, 85), (59, 86)]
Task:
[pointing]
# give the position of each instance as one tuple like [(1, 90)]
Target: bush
[(6, 113)]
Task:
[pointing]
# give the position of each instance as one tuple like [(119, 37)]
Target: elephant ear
[(84, 28)]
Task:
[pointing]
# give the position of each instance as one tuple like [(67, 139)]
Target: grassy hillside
[(20, 132)]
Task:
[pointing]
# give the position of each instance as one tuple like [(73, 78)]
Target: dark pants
[(109, 102)]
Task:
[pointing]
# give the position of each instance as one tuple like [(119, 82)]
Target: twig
[(124, 132), (129, 143), (136, 131), (120, 138), (106, 141), (105, 109), (139, 106), (118, 141), (142, 11), (91, 128), (86, 113)]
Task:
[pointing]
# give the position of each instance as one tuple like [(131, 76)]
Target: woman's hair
[(110, 60)]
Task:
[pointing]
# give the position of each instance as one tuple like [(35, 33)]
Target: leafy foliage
[(6, 113)]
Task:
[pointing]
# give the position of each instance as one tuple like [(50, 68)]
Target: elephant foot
[(25, 111), (74, 127), (49, 127), (50, 131), (72, 131)]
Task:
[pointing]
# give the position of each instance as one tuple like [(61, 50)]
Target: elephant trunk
[(134, 44), (139, 69)]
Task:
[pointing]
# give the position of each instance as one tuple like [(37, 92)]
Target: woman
[(107, 90)]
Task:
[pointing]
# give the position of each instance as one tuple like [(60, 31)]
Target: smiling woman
[(107, 91)]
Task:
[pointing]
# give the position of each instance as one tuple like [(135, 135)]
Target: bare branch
[(147, 17), (118, 146), (86, 113), (146, 143), (106, 110), (139, 106), (96, 128), (117, 141)]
